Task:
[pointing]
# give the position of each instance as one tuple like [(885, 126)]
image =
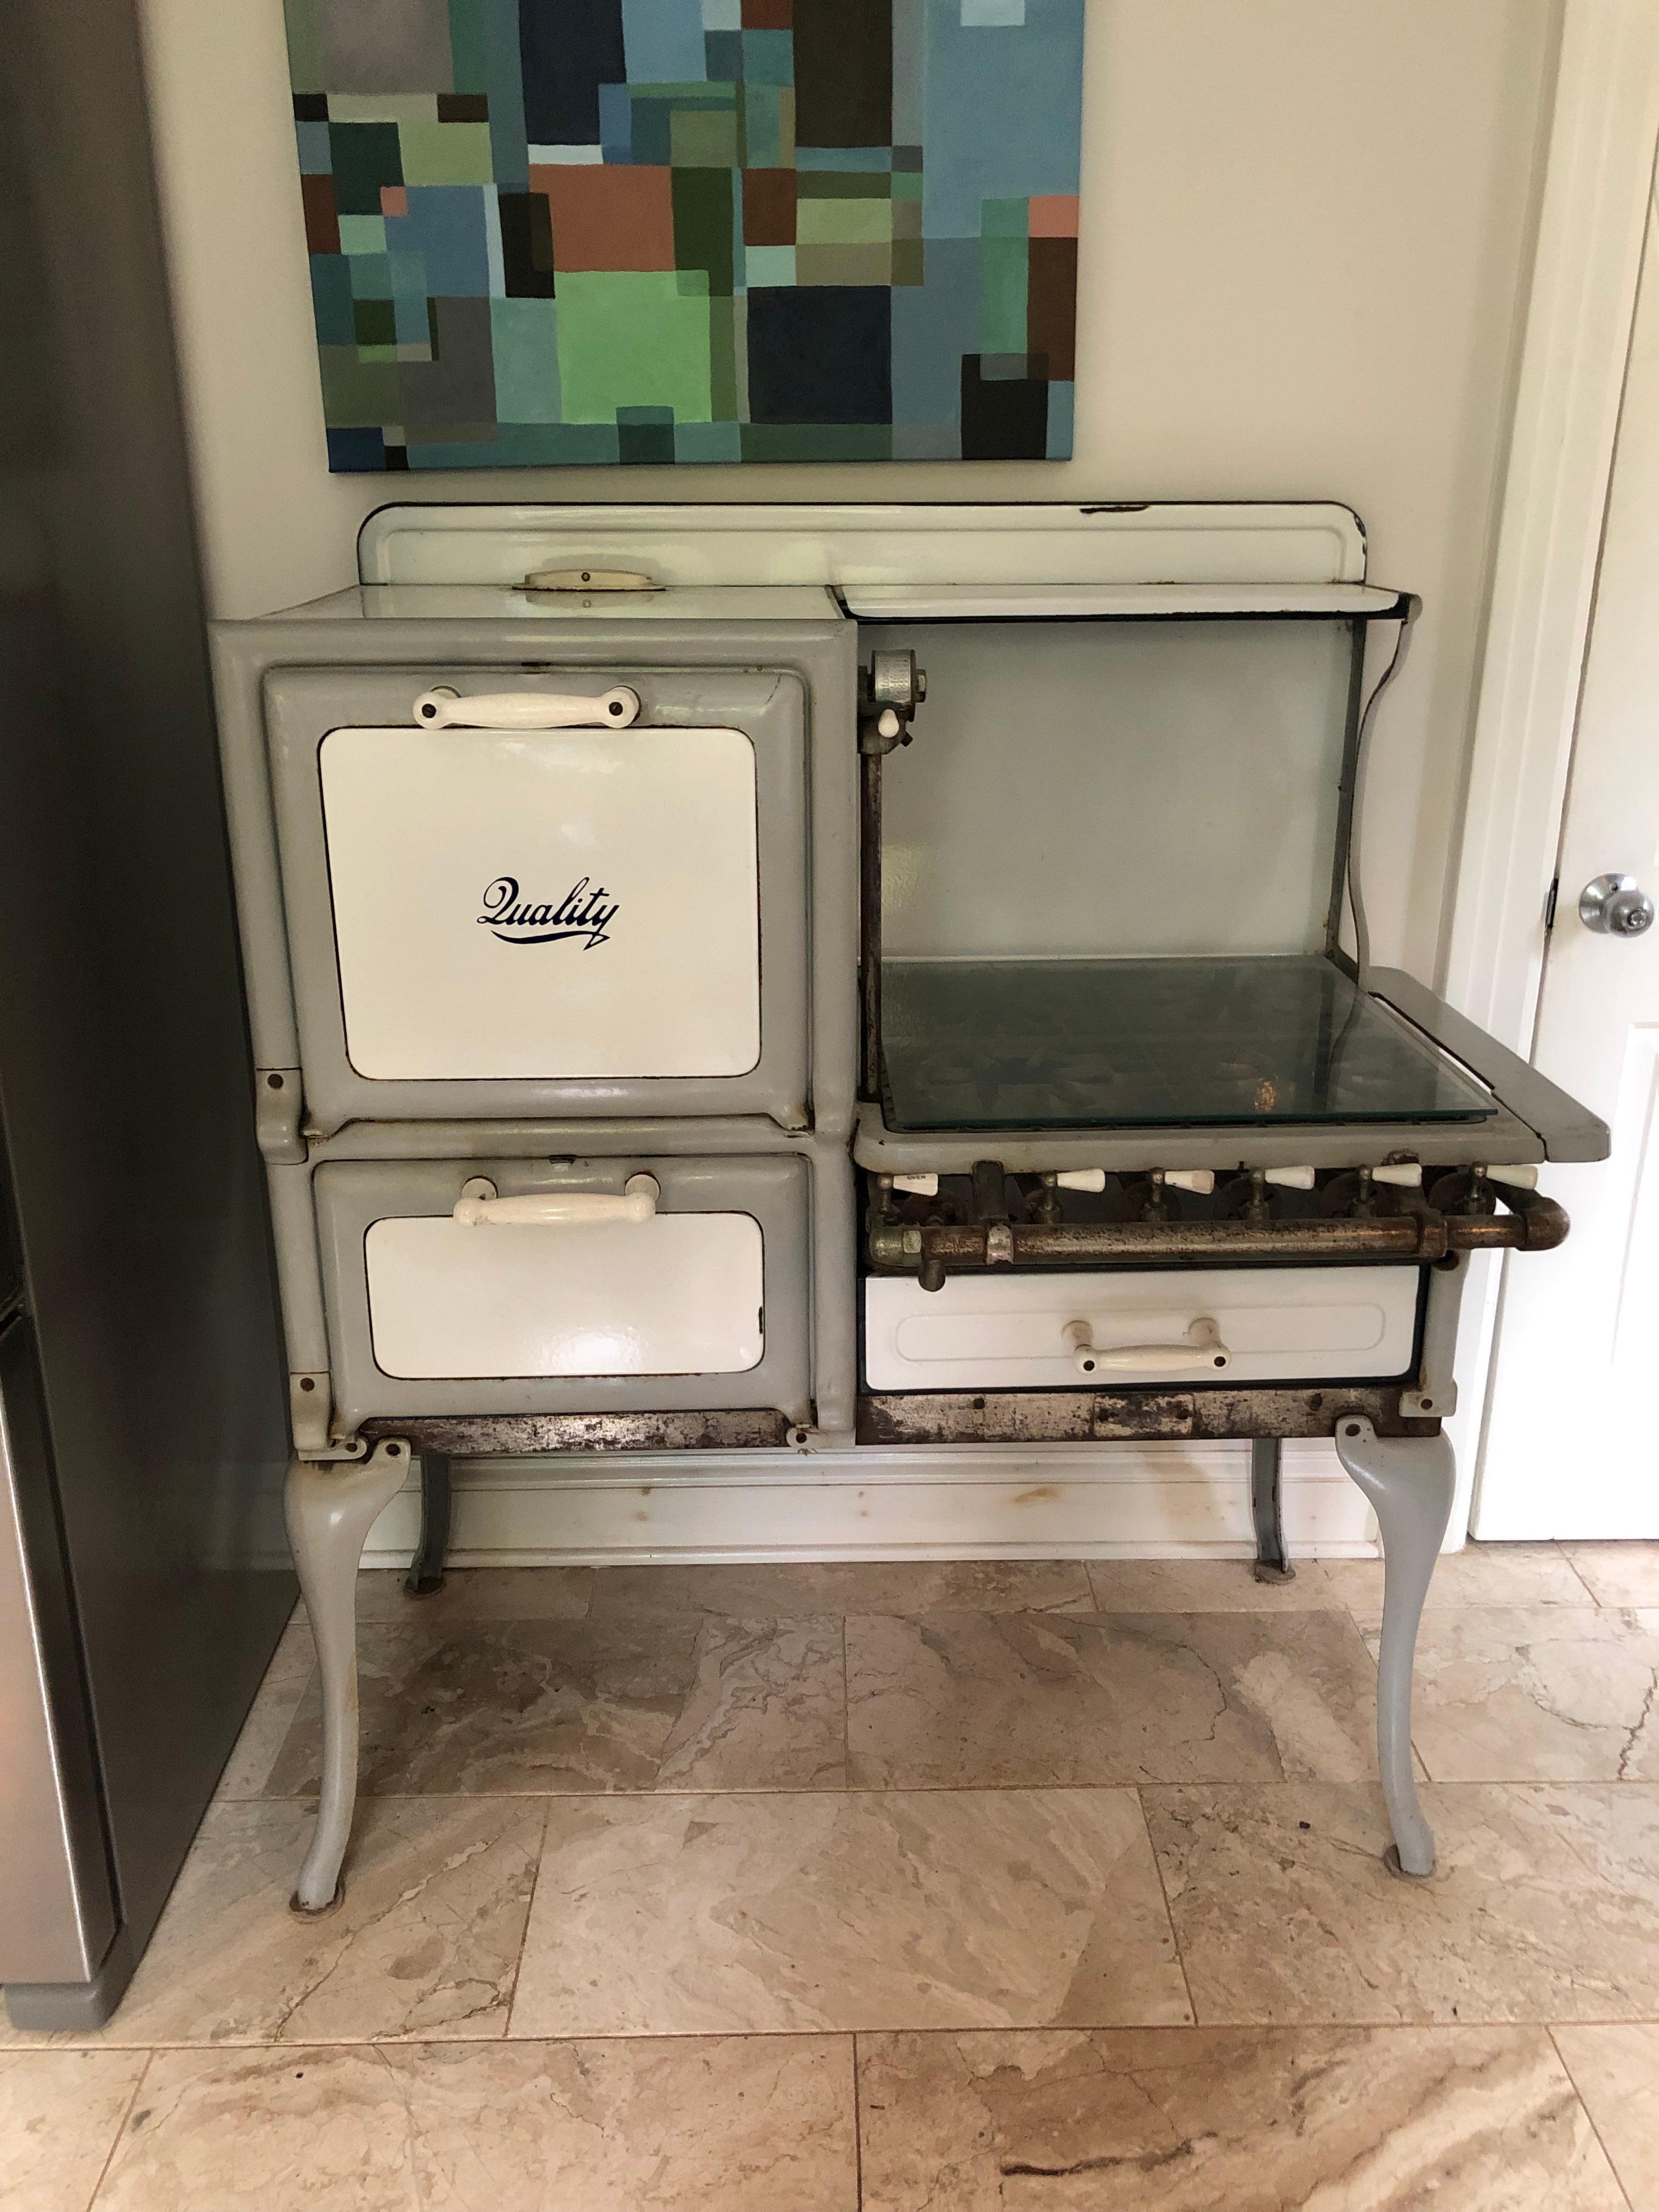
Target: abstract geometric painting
[(548, 231)]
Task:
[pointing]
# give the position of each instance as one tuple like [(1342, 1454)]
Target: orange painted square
[(769, 14), (609, 217), (394, 199), (1053, 214)]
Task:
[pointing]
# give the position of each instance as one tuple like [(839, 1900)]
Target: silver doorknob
[(1617, 905)]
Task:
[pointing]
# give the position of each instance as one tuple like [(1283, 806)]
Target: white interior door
[(1572, 1449)]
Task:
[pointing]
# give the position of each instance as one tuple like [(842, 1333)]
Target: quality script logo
[(581, 912)]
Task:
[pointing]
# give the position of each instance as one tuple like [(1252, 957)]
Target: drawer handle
[(1200, 1347), (551, 1209), (444, 709)]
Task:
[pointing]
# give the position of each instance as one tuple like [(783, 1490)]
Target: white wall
[(1305, 230)]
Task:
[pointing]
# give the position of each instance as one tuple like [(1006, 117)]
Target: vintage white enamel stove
[(657, 1049)]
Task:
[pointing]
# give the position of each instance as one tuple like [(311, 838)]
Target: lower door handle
[(1200, 1347)]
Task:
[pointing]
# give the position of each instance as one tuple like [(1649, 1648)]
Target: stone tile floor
[(915, 1888)]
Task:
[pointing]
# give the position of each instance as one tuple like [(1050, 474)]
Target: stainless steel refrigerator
[(143, 1574)]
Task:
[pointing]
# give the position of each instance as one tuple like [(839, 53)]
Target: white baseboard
[(1055, 1501)]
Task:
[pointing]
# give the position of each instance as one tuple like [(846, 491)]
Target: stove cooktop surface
[(1119, 1043)]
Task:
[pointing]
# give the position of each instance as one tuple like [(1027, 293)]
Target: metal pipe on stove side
[(869, 915), (889, 691), (1532, 1223)]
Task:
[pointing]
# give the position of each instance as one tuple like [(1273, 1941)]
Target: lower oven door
[(532, 1286), (1066, 1331)]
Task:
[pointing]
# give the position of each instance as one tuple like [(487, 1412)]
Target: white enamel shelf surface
[(505, 603), (1030, 602), (1303, 542)]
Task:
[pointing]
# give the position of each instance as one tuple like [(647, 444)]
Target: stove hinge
[(278, 1104)]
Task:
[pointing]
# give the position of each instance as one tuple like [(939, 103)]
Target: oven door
[(536, 1287), (512, 923)]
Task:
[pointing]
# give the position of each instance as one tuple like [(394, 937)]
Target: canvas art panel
[(550, 231)]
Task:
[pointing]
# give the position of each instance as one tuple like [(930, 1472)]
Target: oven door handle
[(441, 708), (554, 1209), (1200, 1347)]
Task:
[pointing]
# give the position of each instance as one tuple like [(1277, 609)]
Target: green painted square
[(446, 154), (704, 138), (768, 265), (843, 222), (374, 323), (394, 107), (356, 391), (843, 184), (763, 139), (1005, 218), (909, 261), (769, 58), (631, 338), (363, 157), (1002, 281), (524, 339), (362, 233)]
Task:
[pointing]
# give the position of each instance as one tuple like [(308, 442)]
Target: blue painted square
[(663, 40), (447, 227), (769, 58)]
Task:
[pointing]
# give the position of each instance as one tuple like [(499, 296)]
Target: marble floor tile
[(271, 1713), (974, 1700), (1616, 2072), (1479, 2119), (847, 1586), (695, 1916), (1547, 1693), (639, 1702), (1618, 1574), (767, 1711), (507, 1706), (1544, 1905), (265, 2131), (60, 2113), (479, 1593), (1480, 1574), (1206, 1586), (733, 2124), (425, 1943)]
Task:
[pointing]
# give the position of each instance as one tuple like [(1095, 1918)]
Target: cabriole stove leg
[(1408, 1481), (1273, 1561), (330, 1505), (426, 1569)]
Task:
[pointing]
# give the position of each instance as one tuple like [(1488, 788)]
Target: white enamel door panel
[(536, 924), (1014, 1332), (702, 1302), (545, 903), (1570, 1448), (679, 1294)]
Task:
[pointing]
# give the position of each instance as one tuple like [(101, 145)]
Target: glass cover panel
[(1104, 1043)]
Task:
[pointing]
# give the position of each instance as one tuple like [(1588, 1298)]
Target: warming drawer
[(509, 922), (515, 1286), (1065, 1331)]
